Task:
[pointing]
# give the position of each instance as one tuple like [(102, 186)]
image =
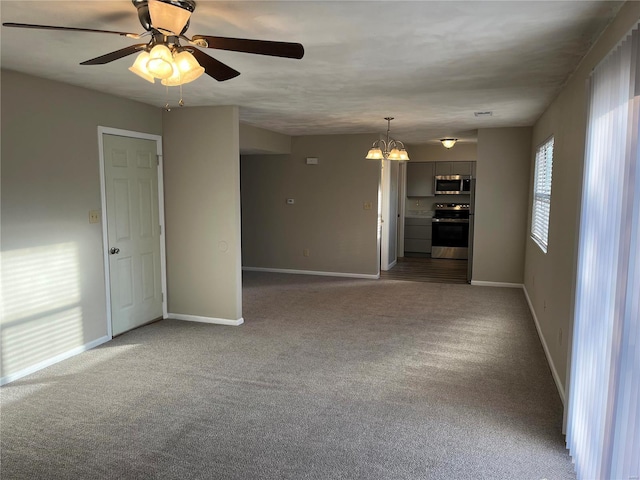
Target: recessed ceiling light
[(483, 114)]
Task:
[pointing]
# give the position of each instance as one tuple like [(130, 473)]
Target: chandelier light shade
[(139, 67), (375, 154), (160, 63), (448, 142), (388, 149)]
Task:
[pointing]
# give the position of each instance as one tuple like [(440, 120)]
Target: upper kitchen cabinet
[(455, 168), (420, 179)]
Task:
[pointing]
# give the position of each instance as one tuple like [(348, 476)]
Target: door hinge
[(160, 229), (158, 160), (162, 296)]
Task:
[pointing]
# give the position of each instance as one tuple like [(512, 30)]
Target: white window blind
[(603, 430), (542, 195)]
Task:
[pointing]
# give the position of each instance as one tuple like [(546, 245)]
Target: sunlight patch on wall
[(41, 314)]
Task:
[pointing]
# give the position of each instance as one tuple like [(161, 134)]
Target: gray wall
[(50, 181), (550, 278), (502, 190), (257, 141), (328, 217), (202, 210)]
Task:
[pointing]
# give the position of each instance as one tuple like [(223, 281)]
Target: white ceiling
[(429, 64)]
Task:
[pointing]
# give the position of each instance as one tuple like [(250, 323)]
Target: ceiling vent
[(483, 114)]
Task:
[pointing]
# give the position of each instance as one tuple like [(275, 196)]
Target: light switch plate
[(312, 160)]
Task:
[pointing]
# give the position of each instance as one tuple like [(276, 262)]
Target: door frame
[(402, 203), (105, 234)]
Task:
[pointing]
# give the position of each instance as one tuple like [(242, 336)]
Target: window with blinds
[(542, 195)]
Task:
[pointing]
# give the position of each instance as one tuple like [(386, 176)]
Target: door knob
[(114, 251)]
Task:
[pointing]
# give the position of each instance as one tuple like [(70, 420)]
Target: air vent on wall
[(483, 114)]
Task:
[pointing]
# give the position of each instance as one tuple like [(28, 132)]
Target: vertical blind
[(542, 194), (603, 430)]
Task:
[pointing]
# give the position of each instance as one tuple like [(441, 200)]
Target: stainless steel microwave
[(452, 184)]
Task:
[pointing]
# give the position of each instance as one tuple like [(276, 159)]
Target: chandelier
[(388, 150)]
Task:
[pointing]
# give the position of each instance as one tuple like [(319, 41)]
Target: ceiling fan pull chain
[(181, 102), (167, 107)]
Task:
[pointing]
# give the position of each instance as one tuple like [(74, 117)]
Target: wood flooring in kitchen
[(439, 270)]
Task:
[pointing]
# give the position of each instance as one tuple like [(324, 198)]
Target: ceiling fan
[(164, 58)]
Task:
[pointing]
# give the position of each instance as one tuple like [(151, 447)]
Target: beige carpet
[(327, 379)]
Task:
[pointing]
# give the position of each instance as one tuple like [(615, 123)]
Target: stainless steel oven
[(450, 231)]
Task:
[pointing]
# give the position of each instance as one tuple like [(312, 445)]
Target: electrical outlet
[(305, 252), (367, 205), (545, 305), (560, 336), (94, 216)]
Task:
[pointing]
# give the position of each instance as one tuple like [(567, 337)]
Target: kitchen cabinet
[(420, 179), (417, 235), (455, 168)]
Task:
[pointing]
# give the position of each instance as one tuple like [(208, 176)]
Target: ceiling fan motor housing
[(145, 18)]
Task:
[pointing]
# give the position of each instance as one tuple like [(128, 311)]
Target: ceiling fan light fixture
[(139, 67), (188, 66), (174, 80), (448, 142), (168, 18), (404, 156), (185, 70), (160, 63)]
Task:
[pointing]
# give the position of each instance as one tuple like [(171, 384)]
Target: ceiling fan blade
[(213, 67), (68, 29), (261, 47), (110, 57)]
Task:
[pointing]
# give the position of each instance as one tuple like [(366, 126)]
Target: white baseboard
[(312, 272), (216, 321), (391, 265), (53, 360), (482, 283), (554, 372)]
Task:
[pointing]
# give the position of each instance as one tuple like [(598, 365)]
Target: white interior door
[(389, 213), (133, 226)]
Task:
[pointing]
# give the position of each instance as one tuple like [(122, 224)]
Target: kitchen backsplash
[(425, 204)]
